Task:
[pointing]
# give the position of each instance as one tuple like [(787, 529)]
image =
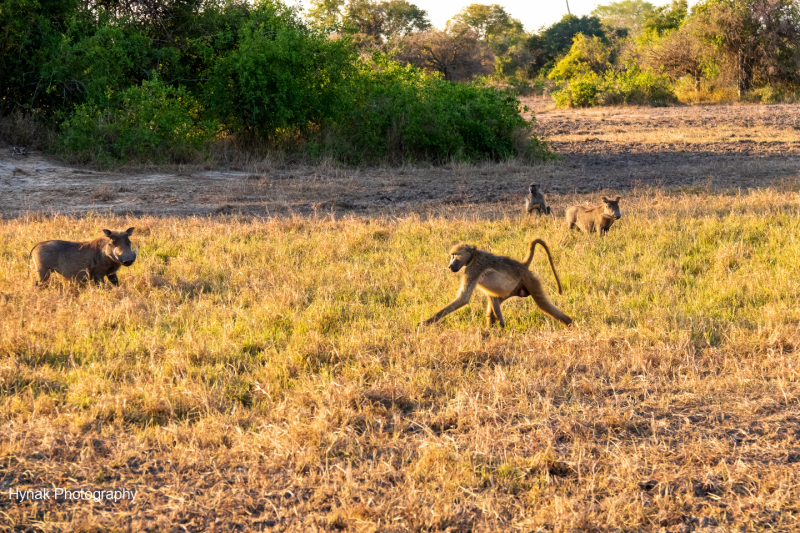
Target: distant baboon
[(499, 278), (82, 261), (18, 150), (591, 219), (535, 201)]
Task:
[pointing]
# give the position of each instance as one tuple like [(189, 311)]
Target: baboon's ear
[(605, 199), (129, 231), (107, 232), (618, 197)]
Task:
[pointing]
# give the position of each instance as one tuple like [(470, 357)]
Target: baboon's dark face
[(612, 208), (460, 256), (534, 189), (120, 249)]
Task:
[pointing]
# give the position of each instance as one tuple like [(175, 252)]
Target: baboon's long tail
[(529, 258)]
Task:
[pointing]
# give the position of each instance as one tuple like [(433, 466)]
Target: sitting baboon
[(499, 278), (535, 201), (82, 261), (598, 218)]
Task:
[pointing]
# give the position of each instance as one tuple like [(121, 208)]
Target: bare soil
[(608, 149)]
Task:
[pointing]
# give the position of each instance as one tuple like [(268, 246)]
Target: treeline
[(361, 80), (167, 80), (625, 52)]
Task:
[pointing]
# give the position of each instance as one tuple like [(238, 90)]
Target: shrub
[(585, 56), (772, 94), (402, 113), (581, 91), (632, 86), (153, 122), (282, 77)]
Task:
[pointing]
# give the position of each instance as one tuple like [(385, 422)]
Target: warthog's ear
[(618, 197), (606, 200), (107, 232), (129, 231)]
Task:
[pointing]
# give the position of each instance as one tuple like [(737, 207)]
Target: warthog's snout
[(126, 258)]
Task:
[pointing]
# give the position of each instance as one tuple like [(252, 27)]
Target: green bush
[(402, 113), (585, 56), (282, 77), (581, 91), (152, 122), (632, 86)]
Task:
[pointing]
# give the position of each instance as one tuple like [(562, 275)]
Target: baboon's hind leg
[(534, 287), (493, 312)]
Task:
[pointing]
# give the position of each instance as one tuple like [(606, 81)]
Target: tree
[(667, 18), (586, 55), (403, 18), (458, 56), (555, 41), (326, 13), (679, 53), (486, 20), (371, 23), (759, 38), (625, 14)]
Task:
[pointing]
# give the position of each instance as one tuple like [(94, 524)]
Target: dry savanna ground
[(262, 369)]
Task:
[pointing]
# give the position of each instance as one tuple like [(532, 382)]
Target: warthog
[(82, 261), (598, 218)]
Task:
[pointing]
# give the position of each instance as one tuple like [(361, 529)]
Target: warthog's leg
[(113, 279), (44, 276)]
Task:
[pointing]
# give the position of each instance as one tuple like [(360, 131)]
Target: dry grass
[(255, 374)]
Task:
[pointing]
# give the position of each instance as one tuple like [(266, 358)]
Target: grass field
[(257, 374)]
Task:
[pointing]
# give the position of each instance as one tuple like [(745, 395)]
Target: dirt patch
[(608, 149)]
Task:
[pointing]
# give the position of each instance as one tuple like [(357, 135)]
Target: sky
[(533, 13)]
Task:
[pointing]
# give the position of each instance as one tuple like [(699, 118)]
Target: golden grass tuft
[(270, 374)]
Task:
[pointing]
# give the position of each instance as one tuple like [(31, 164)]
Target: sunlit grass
[(289, 351)]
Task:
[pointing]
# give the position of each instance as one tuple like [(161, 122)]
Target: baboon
[(82, 261), (535, 201), (598, 218), (499, 278)]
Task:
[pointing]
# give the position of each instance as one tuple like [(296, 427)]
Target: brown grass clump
[(270, 374), (104, 193)]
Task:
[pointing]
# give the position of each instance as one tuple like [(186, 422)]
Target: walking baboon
[(82, 261), (598, 218), (535, 201), (499, 278)]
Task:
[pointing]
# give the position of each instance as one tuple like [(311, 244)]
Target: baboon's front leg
[(113, 279), (462, 299)]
